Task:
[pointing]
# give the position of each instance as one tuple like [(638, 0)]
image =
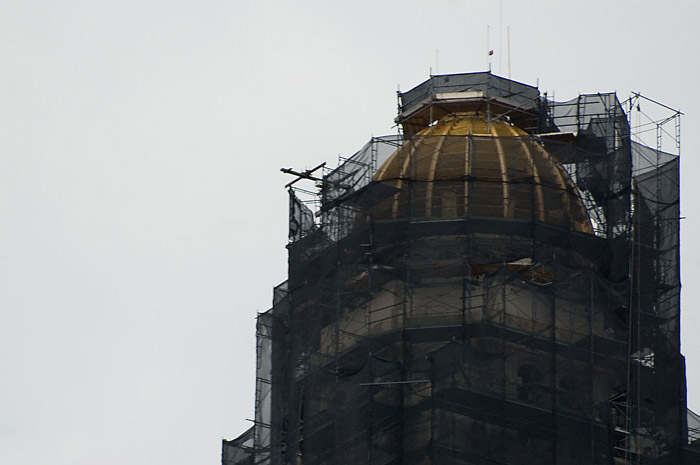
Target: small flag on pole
[(490, 52)]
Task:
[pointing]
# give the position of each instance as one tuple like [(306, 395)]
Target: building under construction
[(498, 283)]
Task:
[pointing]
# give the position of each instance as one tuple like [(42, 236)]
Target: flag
[(490, 52)]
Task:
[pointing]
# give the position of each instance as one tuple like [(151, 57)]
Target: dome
[(463, 166)]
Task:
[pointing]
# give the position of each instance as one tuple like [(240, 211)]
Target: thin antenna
[(500, 39), (508, 31), (489, 52)]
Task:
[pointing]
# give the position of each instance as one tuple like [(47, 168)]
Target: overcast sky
[(143, 211)]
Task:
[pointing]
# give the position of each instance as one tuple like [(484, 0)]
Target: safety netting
[(516, 303)]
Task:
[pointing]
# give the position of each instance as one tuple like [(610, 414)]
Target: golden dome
[(464, 166)]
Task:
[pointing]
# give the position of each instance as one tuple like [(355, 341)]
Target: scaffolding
[(508, 294)]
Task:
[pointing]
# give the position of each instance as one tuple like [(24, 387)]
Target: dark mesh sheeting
[(239, 451), (301, 218), (522, 94), (263, 386), (693, 426), (465, 319)]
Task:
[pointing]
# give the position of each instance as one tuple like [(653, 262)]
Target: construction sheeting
[(474, 338)]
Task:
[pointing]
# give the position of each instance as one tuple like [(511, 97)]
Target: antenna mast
[(508, 37)]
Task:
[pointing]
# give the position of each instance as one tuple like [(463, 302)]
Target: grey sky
[(143, 213)]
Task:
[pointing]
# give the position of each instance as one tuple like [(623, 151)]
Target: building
[(499, 283)]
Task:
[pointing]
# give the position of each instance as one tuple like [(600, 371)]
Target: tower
[(497, 284)]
